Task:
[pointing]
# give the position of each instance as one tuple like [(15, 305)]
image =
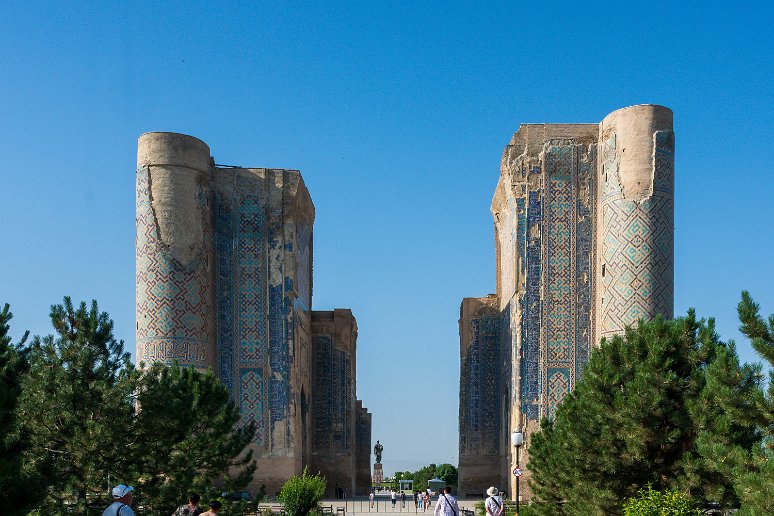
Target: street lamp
[(517, 439)]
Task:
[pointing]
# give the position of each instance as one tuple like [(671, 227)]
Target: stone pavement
[(382, 505)]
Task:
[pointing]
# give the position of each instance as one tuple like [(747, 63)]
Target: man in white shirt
[(447, 504), (493, 504), (122, 501)]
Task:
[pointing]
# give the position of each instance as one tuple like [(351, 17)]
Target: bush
[(525, 509), (656, 503), (301, 494)]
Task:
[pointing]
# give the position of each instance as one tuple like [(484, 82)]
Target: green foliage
[(525, 509), (76, 409), (301, 494), (186, 437), (639, 415), (445, 472), (19, 483), (230, 507), (76, 412), (754, 469), (657, 503)]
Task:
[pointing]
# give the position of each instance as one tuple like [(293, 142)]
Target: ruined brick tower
[(224, 282), (584, 234)]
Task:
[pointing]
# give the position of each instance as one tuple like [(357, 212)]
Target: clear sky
[(397, 115)]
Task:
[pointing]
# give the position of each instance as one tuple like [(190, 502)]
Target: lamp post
[(517, 439)]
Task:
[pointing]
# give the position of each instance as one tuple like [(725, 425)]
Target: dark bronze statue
[(378, 452)]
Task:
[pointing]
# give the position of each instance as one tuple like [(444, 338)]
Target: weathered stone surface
[(363, 450), (583, 219), (224, 281), (636, 218), (175, 311), (334, 445), (483, 437)]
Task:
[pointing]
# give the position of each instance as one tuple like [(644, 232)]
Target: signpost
[(516, 472)]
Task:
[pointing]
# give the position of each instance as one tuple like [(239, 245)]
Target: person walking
[(371, 498), (393, 498), (122, 502), (192, 508), (494, 503), (402, 499), (447, 504), (416, 499), (214, 508), (426, 498)]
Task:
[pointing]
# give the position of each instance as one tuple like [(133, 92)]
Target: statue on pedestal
[(378, 452)]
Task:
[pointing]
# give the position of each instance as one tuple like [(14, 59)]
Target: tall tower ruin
[(224, 282), (636, 217), (583, 221), (175, 302)]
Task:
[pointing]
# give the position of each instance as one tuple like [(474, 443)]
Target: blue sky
[(397, 115)]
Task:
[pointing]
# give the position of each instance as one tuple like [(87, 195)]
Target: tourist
[(214, 508), (420, 499), (122, 502), (493, 504), (402, 499), (416, 499), (426, 497), (191, 508), (447, 504), (371, 498), (393, 498)]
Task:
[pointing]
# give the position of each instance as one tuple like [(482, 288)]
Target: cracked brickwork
[(224, 282), (584, 235)]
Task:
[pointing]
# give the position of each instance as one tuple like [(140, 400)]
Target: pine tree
[(76, 407), (755, 474), (634, 419), (13, 364), (19, 485), (187, 437)]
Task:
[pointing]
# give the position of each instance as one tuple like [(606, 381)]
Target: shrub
[(301, 494), (656, 503), (525, 509)]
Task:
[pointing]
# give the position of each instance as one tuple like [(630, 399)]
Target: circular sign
[(516, 472)]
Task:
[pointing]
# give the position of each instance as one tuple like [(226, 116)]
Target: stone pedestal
[(378, 473)]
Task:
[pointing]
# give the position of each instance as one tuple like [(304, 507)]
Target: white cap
[(492, 491), (121, 490)]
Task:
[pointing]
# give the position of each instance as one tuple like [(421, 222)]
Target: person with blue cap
[(122, 502)]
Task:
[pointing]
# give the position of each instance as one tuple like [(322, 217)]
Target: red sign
[(516, 472)]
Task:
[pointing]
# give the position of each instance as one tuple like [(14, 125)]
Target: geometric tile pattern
[(482, 387), (555, 248), (322, 391), (567, 233), (252, 400), (241, 275), (174, 302), (532, 306), (255, 299), (363, 450), (332, 401), (575, 261), (637, 244), (557, 387)]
